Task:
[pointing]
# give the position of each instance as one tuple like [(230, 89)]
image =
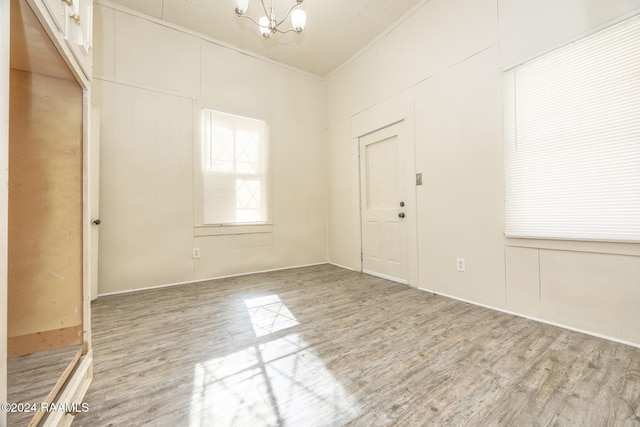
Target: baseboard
[(342, 266), (385, 276), (205, 280), (41, 341), (536, 319)]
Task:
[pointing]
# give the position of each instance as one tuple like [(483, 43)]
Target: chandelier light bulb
[(264, 27), (269, 24), (298, 20), (241, 6)]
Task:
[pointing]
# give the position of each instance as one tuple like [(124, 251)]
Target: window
[(234, 169), (572, 140)]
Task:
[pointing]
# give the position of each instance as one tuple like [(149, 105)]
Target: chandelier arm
[(250, 19), (267, 14), (290, 30), (287, 15)]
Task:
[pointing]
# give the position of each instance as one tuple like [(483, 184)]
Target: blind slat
[(572, 140)]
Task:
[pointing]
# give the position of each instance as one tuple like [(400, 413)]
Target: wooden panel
[(31, 47), (468, 26), (522, 281), (104, 63), (45, 205), (41, 341), (146, 203), (593, 292), (154, 55)]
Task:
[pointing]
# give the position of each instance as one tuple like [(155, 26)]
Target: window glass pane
[(221, 148), (234, 172), (248, 192)]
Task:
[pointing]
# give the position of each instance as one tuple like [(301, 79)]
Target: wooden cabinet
[(79, 31), (71, 23), (58, 11), (49, 263)]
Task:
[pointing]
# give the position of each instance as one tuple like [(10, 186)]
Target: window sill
[(609, 248), (231, 229)]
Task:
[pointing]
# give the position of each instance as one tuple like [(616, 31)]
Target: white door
[(383, 203)]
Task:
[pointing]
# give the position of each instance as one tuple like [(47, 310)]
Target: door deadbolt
[(402, 204)]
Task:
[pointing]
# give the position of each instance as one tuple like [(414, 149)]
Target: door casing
[(402, 129)]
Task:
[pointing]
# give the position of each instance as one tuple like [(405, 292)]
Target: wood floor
[(31, 378), (323, 346)]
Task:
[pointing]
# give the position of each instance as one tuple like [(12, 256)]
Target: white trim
[(141, 86), (342, 266), (188, 282), (5, 44), (535, 319), (385, 276), (401, 117), (231, 229), (589, 247), (370, 120), (86, 220)]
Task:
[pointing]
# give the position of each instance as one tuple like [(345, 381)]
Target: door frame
[(406, 131)]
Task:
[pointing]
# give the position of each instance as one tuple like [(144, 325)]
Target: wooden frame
[(40, 50)]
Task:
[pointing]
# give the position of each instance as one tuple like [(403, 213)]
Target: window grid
[(234, 169)]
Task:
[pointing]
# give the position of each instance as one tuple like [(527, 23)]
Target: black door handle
[(96, 221), (401, 214)]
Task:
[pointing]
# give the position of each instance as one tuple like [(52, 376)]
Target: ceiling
[(335, 30)]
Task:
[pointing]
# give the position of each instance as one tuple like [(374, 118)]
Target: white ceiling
[(335, 31)]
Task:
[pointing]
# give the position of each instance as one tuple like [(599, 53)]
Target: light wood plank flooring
[(323, 346), (31, 378)]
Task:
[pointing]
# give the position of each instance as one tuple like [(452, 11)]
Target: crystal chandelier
[(268, 23)]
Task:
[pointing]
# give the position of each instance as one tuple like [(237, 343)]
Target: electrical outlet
[(196, 253), (461, 264)]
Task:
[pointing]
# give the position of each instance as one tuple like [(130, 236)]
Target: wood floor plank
[(31, 378), (323, 346)]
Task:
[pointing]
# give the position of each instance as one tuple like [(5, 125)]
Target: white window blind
[(234, 169), (572, 140)]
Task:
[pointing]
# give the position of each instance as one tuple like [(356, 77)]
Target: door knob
[(401, 214), (96, 221), (402, 204)]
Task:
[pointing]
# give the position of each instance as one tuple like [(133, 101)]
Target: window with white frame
[(234, 165), (572, 140)]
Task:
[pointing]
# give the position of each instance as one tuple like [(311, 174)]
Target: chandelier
[(268, 23)]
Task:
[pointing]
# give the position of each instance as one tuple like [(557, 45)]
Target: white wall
[(443, 64), (151, 81), (446, 61)]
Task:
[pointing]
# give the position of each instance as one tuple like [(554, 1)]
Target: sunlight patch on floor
[(272, 382), (269, 314)]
